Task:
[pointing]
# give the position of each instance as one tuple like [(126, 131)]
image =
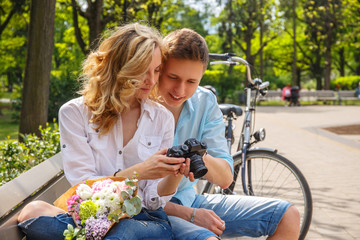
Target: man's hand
[(208, 219)]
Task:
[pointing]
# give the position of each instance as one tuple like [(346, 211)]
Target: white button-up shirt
[(86, 155)]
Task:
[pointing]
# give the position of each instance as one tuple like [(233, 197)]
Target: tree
[(17, 7), (348, 41), (13, 26), (35, 93)]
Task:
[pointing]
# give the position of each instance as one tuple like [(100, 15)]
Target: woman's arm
[(78, 160)]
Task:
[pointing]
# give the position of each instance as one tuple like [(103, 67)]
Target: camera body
[(194, 150)]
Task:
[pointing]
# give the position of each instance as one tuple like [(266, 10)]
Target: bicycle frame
[(246, 132), (282, 176)]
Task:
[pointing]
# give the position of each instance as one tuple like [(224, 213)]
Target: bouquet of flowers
[(96, 205)]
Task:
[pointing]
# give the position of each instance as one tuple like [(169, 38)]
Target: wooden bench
[(25, 188), (45, 181), (348, 95), (326, 96)]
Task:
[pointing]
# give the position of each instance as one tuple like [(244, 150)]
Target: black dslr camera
[(194, 150)]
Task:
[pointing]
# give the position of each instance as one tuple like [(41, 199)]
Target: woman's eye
[(172, 77)]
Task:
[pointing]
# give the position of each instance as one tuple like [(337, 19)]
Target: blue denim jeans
[(243, 216), (146, 225)]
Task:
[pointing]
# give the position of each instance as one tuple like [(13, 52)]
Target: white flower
[(98, 196), (102, 207), (105, 191), (112, 201), (84, 191)]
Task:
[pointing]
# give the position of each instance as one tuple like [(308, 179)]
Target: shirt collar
[(145, 107), (189, 105)]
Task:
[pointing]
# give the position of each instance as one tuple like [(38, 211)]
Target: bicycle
[(264, 172)]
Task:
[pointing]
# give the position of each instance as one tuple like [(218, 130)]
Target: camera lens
[(197, 166)]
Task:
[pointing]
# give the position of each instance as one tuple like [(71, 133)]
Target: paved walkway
[(330, 162)]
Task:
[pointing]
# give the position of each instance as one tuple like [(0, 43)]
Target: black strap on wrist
[(117, 172)]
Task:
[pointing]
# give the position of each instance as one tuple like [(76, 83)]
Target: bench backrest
[(347, 93), (325, 93), (45, 181)]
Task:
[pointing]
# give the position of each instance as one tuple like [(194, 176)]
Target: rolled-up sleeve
[(78, 160), (151, 199)]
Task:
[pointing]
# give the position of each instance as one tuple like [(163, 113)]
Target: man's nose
[(180, 88)]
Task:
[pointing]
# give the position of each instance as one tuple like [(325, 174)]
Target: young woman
[(113, 129)]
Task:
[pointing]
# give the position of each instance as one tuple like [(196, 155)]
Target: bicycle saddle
[(226, 109)]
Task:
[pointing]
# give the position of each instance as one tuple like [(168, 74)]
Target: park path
[(330, 162)]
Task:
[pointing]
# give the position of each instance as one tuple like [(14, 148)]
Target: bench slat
[(45, 181), (17, 190)]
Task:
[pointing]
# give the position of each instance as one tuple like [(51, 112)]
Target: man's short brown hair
[(186, 44)]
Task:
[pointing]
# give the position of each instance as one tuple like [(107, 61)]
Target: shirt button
[(64, 146), (149, 143), (120, 152)]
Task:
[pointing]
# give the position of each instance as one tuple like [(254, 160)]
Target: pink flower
[(72, 202), (97, 186), (121, 186)]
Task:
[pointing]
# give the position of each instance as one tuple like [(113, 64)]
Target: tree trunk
[(342, 61), (327, 58), (317, 71), (261, 55), (35, 95), (294, 70), (94, 22)]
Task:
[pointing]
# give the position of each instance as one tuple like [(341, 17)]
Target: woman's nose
[(151, 78)]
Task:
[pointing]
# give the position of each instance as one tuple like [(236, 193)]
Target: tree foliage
[(296, 41)]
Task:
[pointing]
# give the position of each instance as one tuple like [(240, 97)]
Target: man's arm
[(218, 160), (219, 171), (203, 217)]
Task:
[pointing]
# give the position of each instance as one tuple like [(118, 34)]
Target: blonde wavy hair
[(111, 74)]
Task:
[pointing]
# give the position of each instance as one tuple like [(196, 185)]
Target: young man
[(197, 115)]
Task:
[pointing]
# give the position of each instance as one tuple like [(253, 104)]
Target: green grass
[(5, 95), (8, 128)]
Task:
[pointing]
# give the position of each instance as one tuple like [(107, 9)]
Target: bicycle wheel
[(270, 175)]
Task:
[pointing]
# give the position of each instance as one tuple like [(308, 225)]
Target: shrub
[(345, 83), (17, 157)]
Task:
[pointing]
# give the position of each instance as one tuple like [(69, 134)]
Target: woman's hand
[(185, 170), (159, 166)]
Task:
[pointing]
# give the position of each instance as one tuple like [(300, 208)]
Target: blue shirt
[(202, 119)]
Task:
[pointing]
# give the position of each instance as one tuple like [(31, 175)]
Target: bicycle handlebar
[(224, 56), (227, 57), (231, 59)]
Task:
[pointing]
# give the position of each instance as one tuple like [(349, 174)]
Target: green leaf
[(130, 208)]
